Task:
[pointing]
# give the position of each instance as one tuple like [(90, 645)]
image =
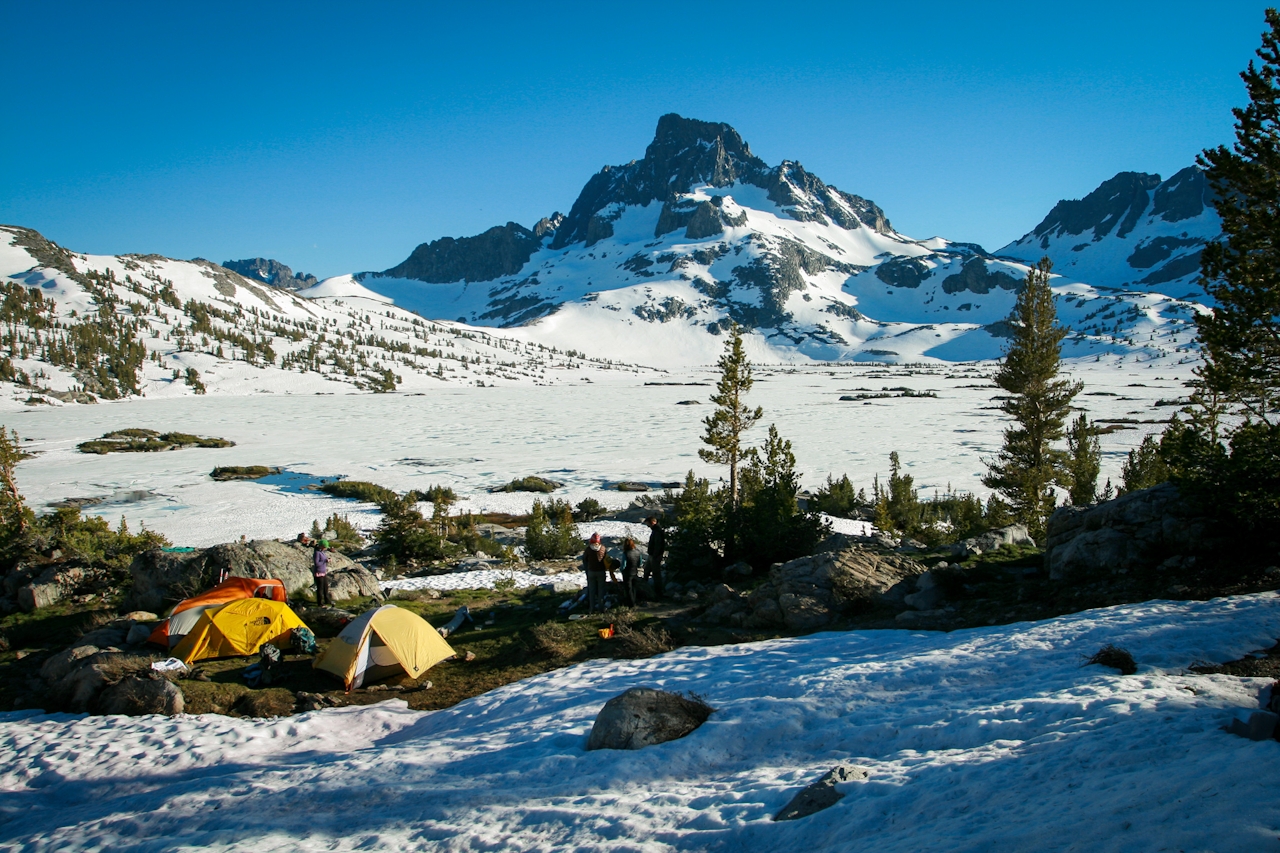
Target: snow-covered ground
[(587, 435), (993, 739)]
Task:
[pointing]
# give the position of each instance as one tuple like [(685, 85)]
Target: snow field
[(985, 739), (483, 579), (587, 436)]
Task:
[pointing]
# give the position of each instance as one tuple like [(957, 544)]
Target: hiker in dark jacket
[(320, 571), (631, 558), (657, 547), (596, 562)]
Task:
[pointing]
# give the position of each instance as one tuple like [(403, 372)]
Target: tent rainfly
[(383, 642), (185, 614), (238, 628)]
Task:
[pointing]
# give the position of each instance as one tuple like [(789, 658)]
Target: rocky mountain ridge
[(700, 232), (272, 272)]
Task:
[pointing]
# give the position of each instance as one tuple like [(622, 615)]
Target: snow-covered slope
[(993, 739), (78, 326), (1134, 232), (656, 254)]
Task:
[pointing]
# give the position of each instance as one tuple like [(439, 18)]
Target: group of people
[(599, 566), (597, 562), (319, 567)]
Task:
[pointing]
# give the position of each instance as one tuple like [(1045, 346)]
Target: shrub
[(589, 508), (555, 639), (360, 490), (551, 532), (839, 498), (529, 484), (643, 643), (1114, 657)]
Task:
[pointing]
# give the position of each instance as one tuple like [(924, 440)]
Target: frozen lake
[(587, 437)]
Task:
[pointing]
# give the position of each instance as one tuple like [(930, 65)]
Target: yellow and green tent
[(238, 628), (381, 643)]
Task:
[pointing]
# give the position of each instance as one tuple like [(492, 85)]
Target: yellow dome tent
[(383, 642), (238, 628)]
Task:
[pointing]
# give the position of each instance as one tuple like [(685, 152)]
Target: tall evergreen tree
[(732, 417), (1241, 272), (1232, 464), (1028, 465)]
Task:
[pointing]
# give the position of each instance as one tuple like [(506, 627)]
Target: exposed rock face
[(643, 716), (162, 578), (502, 250), (50, 586), (1140, 530), (811, 592), (976, 278), (272, 272), (1120, 201)]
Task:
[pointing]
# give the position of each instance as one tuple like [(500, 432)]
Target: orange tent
[(187, 612)]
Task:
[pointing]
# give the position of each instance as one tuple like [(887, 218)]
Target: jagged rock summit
[(270, 271)]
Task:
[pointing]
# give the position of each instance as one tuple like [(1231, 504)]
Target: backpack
[(266, 670), (304, 642)]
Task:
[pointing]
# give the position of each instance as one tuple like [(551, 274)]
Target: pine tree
[(1241, 337), (1226, 455), (15, 517), (732, 417), (1084, 461), (1028, 465)]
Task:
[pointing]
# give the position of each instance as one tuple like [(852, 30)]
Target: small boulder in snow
[(822, 794), (643, 716)]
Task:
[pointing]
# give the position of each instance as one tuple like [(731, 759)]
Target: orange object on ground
[(185, 614)]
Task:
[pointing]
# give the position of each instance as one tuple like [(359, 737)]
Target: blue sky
[(336, 136)]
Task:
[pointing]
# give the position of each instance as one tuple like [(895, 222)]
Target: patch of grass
[(242, 472), (1114, 657)]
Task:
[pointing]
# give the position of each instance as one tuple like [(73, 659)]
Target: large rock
[(1137, 531), (50, 587), (162, 578), (643, 716), (78, 688), (145, 693), (810, 592), (61, 663), (993, 540)]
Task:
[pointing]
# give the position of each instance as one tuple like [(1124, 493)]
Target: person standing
[(320, 571), (657, 547), (595, 561), (631, 558)]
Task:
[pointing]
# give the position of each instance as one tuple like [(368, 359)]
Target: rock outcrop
[(161, 578), (272, 272), (811, 592), (643, 716), (993, 540), (1145, 529)]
